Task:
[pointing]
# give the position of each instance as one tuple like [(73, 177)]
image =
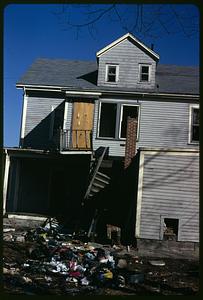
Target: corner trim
[(23, 120), (139, 195)]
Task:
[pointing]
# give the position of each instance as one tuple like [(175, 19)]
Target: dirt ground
[(176, 277)]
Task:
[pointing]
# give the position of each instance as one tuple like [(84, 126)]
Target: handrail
[(75, 139)]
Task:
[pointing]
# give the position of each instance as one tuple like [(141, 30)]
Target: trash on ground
[(159, 263), (51, 260)]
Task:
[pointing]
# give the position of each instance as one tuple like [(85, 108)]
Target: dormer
[(127, 63)]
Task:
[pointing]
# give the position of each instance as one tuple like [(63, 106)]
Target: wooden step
[(95, 189), (101, 180), (103, 175), (99, 184)]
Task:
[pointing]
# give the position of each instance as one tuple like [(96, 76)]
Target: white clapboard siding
[(162, 124), (128, 65), (169, 188), (38, 116)]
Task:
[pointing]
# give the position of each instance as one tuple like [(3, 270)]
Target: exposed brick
[(130, 147)]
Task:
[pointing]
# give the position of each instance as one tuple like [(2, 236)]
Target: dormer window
[(144, 72), (112, 73)]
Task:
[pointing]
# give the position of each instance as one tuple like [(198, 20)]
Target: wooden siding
[(162, 124), (69, 116), (37, 125), (128, 65), (170, 189)]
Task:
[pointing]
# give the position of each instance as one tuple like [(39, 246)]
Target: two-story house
[(74, 137)]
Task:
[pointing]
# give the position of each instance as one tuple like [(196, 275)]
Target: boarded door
[(82, 125)]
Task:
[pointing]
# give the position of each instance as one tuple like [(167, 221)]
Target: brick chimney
[(131, 136)]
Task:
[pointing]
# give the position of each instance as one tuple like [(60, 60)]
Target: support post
[(5, 182)]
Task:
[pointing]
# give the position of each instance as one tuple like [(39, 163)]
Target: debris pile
[(50, 260)]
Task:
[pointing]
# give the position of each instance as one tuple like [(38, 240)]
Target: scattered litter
[(159, 263), (20, 239), (85, 281), (122, 263), (136, 278), (120, 281), (60, 263), (48, 278), (11, 271), (8, 229), (27, 279)]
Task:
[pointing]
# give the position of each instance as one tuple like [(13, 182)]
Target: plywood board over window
[(82, 123)]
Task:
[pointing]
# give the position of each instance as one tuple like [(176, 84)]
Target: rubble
[(50, 260)]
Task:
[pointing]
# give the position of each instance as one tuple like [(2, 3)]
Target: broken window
[(170, 230), (127, 111), (113, 119), (194, 130), (112, 73), (144, 72), (107, 126)]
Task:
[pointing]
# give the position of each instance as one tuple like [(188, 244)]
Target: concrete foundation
[(189, 250)]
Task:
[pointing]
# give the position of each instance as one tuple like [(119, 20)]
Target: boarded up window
[(107, 126)]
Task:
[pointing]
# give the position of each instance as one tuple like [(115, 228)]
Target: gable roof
[(131, 38), (82, 75)]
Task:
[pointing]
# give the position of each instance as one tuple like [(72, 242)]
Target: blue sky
[(33, 31)]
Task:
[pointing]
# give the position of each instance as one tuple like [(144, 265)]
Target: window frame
[(170, 216), (118, 120), (121, 116), (99, 119), (149, 73), (191, 107), (116, 75)]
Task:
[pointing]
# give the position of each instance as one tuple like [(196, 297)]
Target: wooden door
[(82, 124)]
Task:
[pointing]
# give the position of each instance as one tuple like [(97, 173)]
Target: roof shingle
[(83, 75)]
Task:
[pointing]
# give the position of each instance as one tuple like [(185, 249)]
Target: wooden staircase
[(98, 180)]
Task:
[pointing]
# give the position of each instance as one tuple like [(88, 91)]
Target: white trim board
[(124, 37), (24, 112), (139, 196), (173, 152), (191, 106), (5, 182)]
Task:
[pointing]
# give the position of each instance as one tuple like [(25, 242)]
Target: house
[(122, 131)]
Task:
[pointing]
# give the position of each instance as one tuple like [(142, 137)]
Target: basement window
[(111, 73), (127, 111), (144, 72), (107, 126), (170, 230), (194, 124)]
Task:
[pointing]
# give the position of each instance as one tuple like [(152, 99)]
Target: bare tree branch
[(144, 20)]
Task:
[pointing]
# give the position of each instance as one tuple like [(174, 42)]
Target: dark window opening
[(128, 111), (144, 73), (195, 125), (170, 231), (107, 126), (111, 76)]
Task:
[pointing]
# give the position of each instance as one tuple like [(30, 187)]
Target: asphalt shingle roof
[(83, 75)]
